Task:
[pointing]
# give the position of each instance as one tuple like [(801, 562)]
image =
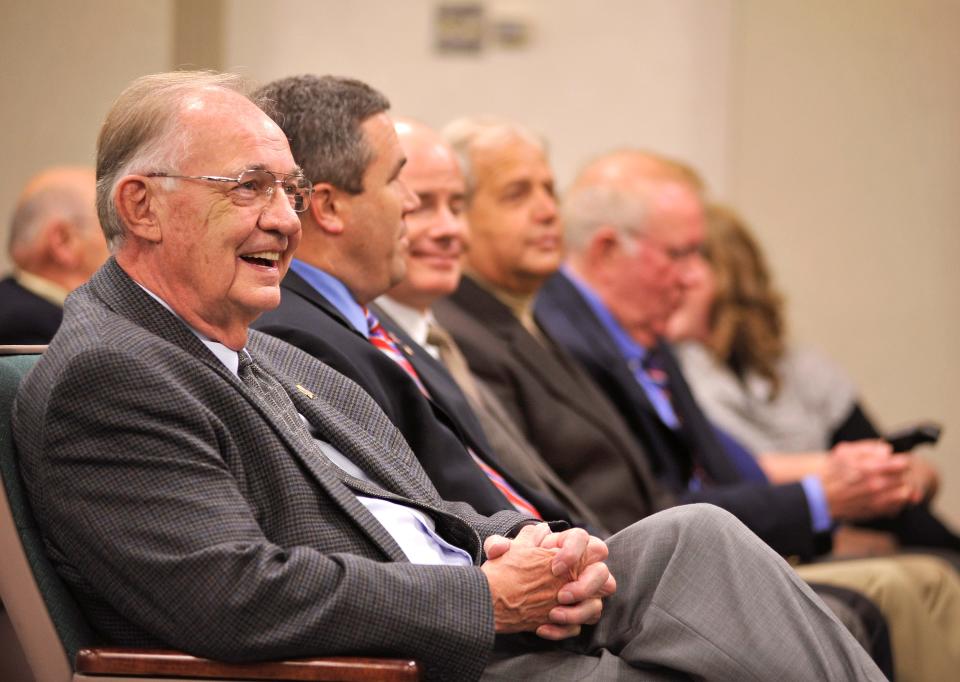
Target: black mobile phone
[(906, 439)]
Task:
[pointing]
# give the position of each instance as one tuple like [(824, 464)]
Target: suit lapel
[(697, 428), (373, 443), (294, 283), (564, 312), (446, 399), (452, 407), (566, 316), (549, 368), (126, 298)]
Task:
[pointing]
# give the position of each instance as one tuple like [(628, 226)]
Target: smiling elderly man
[(201, 485)]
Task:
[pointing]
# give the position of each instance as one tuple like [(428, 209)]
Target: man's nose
[(694, 270), (545, 208), (448, 223), (279, 215)]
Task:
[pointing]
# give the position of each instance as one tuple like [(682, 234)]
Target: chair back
[(45, 616)]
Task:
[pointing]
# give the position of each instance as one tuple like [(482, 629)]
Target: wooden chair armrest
[(19, 349), (160, 663)]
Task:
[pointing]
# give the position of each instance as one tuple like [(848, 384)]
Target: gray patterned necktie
[(275, 401)]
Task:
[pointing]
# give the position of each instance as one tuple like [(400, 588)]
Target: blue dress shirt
[(334, 291), (634, 354)]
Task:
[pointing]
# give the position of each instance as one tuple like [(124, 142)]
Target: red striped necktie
[(388, 344)]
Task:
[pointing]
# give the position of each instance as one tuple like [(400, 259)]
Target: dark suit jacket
[(182, 514), (569, 421), (25, 318), (307, 320), (778, 514), (514, 453)]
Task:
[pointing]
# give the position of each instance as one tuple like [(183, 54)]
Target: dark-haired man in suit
[(353, 249)]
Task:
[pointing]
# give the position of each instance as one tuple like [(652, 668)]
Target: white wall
[(833, 125), (61, 66), (844, 149), (596, 74)]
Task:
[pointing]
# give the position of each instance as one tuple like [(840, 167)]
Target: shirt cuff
[(817, 502)]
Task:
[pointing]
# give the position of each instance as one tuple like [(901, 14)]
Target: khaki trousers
[(919, 596)]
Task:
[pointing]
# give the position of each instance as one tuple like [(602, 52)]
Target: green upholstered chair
[(59, 644)]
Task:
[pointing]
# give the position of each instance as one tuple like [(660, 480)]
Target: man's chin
[(398, 272), (548, 262), (658, 328), (263, 301)]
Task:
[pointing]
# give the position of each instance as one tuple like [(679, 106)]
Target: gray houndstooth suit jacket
[(180, 514)]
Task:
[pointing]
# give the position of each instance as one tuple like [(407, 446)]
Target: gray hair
[(321, 117), (39, 208), (140, 133), (467, 133), (586, 209)]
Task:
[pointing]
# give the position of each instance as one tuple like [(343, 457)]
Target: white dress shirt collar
[(413, 530), (414, 322), (229, 357)]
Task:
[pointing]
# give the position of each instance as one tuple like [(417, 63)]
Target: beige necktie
[(453, 360)]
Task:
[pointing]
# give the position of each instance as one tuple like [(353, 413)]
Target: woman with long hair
[(771, 396), (789, 402)]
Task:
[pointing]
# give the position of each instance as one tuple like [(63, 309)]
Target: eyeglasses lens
[(296, 187)]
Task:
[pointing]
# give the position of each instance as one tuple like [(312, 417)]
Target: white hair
[(586, 209), (467, 133)]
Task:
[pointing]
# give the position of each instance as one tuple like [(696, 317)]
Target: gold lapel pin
[(306, 391)]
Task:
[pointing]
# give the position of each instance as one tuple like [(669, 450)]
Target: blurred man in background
[(635, 229), (55, 244), (437, 232)]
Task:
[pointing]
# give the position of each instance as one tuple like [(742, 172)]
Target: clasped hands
[(864, 479), (550, 583)]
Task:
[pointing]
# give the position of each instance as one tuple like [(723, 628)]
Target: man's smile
[(266, 259)]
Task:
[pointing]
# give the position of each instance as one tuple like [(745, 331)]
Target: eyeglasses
[(257, 186), (676, 255), (685, 254)]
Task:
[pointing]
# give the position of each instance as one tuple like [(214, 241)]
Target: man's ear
[(604, 242), (327, 206), (137, 205), (60, 238)]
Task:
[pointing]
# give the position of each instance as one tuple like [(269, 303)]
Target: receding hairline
[(64, 191), (140, 133), (471, 135), (632, 169), (69, 177), (420, 138), (620, 187)]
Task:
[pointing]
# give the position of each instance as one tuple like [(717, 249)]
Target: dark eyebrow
[(399, 167), (522, 183)]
